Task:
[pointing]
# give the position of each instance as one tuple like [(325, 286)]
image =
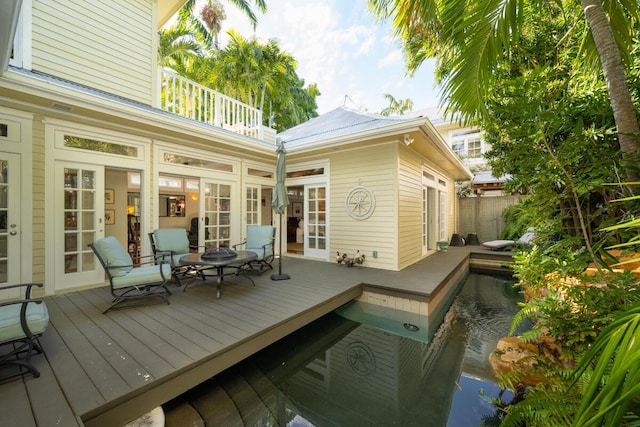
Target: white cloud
[(339, 46), (393, 59)]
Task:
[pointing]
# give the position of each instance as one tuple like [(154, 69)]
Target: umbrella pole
[(280, 276)]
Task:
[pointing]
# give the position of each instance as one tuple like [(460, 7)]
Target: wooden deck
[(105, 370)]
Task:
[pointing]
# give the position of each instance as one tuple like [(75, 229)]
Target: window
[(178, 159), (170, 182), (458, 148), (467, 143), (474, 149), (99, 146)]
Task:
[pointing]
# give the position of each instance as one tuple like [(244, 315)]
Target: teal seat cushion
[(257, 237), (171, 239), (115, 255), (10, 329), (141, 276)]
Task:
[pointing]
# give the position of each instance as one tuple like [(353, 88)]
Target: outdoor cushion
[(496, 245), (257, 237), (142, 275), (37, 320), (114, 255), (172, 239)]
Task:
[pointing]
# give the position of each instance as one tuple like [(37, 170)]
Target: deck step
[(183, 415), (215, 406)]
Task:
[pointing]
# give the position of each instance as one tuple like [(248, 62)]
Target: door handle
[(13, 233)]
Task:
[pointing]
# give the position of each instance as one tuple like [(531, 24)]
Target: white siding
[(376, 169), (107, 45)]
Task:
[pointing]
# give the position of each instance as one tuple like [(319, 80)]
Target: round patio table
[(236, 263)]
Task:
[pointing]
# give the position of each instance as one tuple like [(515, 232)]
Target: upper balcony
[(194, 101)]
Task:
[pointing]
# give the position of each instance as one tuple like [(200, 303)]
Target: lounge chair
[(169, 245), (147, 280), (504, 245), (260, 240), (22, 322)]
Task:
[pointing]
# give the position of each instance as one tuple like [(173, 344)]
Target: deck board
[(105, 369)]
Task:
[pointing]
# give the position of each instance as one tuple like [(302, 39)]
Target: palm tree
[(177, 44), (396, 106), (469, 38), (214, 16)]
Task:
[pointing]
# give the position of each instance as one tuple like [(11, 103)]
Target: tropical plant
[(595, 321), (396, 106), (263, 76), (177, 45), (474, 40), (258, 74)]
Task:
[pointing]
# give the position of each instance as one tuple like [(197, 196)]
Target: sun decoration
[(360, 203), (361, 359)]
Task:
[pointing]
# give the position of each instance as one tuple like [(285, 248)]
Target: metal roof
[(339, 122)]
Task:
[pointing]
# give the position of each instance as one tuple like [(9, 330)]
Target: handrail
[(195, 101)]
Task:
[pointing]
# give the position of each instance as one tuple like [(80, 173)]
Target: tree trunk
[(614, 74)]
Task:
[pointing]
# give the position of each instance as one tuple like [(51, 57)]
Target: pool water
[(339, 372)]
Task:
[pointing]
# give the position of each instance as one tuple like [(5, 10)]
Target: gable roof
[(345, 126), (338, 123)]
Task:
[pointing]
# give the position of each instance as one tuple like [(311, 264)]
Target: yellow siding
[(107, 45), (38, 200), (376, 169), (410, 206)]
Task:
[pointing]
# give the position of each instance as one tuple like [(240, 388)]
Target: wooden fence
[(483, 215)]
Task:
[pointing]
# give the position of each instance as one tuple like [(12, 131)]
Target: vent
[(63, 107)]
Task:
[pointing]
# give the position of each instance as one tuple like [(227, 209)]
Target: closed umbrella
[(280, 201)]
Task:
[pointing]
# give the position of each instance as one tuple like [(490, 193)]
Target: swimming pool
[(340, 372)]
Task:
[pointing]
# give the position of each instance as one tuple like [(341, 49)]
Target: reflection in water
[(337, 372)]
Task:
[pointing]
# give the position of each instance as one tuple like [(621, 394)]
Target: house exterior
[(96, 140), (390, 183)]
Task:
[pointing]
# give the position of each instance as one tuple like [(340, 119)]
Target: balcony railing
[(189, 99)]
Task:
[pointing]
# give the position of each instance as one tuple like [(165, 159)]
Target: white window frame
[(437, 208), (460, 141)]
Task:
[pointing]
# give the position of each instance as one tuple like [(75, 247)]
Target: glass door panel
[(217, 214), (316, 221), (10, 243), (253, 205), (80, 223)]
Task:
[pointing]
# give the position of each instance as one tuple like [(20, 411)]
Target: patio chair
[(169, 245), (504, 245), (22, 322), (146, 280), (260, 240)]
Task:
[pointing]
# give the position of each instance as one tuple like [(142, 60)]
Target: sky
[(339, 45)]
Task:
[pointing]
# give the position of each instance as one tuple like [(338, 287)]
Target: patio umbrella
[(280, 201)]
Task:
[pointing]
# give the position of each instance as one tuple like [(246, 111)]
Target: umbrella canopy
[(280, 200)]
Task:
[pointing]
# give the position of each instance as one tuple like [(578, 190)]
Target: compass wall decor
[(360, 203)]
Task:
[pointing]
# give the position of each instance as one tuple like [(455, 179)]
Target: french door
[(79, 220), (215, 221), (315, 220), (10, 223)]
